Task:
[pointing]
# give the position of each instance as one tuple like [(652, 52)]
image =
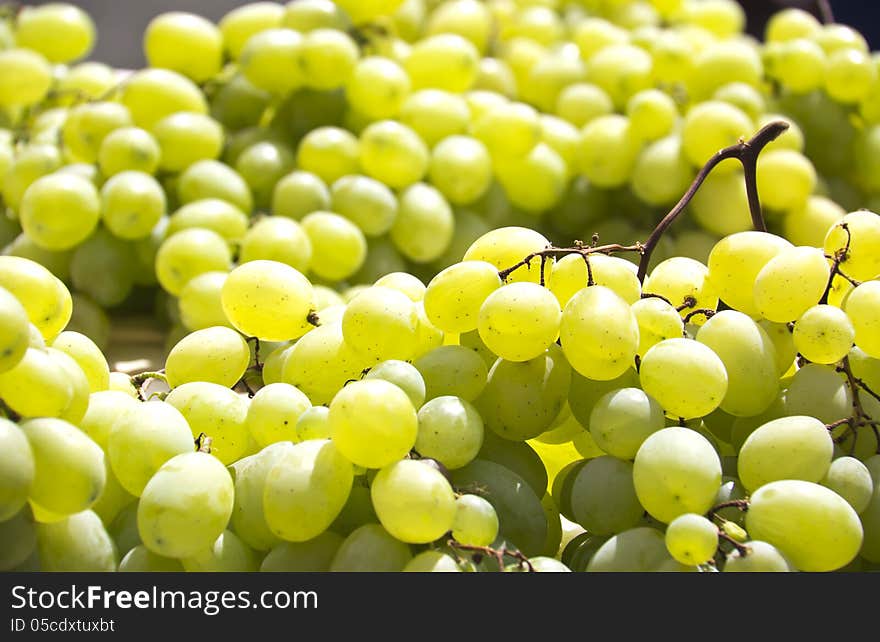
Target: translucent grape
[(185, 43), (370, 548), (657, 321), (366, 202), (377, 88), (622, 419), (15, 328), (78, 543), (691, 539), (18, 469), (270, 60), (142, 560), (761, 558), (452, 370), (519, 321), (424, 224), (239, 24), (188, 254), (60, 31), (212, 179), (218, 355), (595, 159), (339, 248), (461, 169), (217, 412), (450, 431), (403, 375), (818, 391), (273, 413), (851, 479), (777, 296), (393, 154), (455, 295), (603, 498), (380, 323), (861, 235), (475, 522), (637, 550), (443, 61), (862, 309), (59, 211), (823, 334), (152, 94)]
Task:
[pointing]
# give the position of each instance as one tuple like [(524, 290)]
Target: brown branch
[(559, 252), (140, 380), (742, 549), (497, 553), (825, 13), (740, 504), (838, 258), (706, 312)]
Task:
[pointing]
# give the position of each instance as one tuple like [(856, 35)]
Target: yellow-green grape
[(339, 248), (662, 173), (862, 309), (327, 58), (432, 562), (105, 407), (37, 386), (580, 103), (746, 97), (87, 355), (792, 138), (185, 138), (807, 445), (313, 423), (132, 204), (657, 321), (377, 87), (30, 163), (19, 537), (60, 31), (270, 60), (428, 336), (213, 214), (216, 412), (228, 554), (495, 83), (519, 321), (413, 501), (851, 479), (59, 211), (143, 438), (403, 375), (404, 282), (450, 431), (88, 79), (249, 475), (807, 225), (452, 370), (77, 543), (833, 37), (424, 224), (621, 70), (443, 61), (330, 153), (542, 169), (217, 355), (461, 169), (27, 77), (562, 137), (823, 334), (701, 383), (273, 413), (300, 193), (780, 336), (595, 159), (593, 34), (306, 489), (185, 43), (18, 469), (114, 499), (364, 201), (69, 474), (622, 419), (570, 275), (87, 126), (373, 423), (711, 126), (475, 522), (505, 247), (509, 129), (435, 114), (549, 76), (749, 358), (185, 506), (722, 63), (599, 333), (370, 548), (683, 282), (199, 301), (189, 253), (761, 558), (676, 471), (790, 283), (798, 64), (602, 496), (393, 154), (812, 526), (381, 323), (786, 179), (455, 295), (142, 560), (121, 382), (78, 382), (734, 264), (790, 24), (58, 263), (849, 75), (652, 114), (267, 299), (238, 25), (691, 539), (212, 179), (152, 94), (14, 328), (467, 18), (637, 550), (313, 556), (818, 391), (858, 233)]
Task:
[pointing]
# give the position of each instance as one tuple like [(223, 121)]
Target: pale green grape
[(569, 275), (87, 125), (721, 63), (404, 282), (267, 299), (371, 549), (249, 475), (851, 479), (212, 179), (185, 138), (676, 471), (199, 301), (493, 75), (270, 60), (142, 560), (213, 214), (861, 237), (87, 355), (786, 179), (637, 550), (44, 297), (19, 539), (262, 165), (519, 321), (104, 267), (680, 278), (749, 358), (330, 153), (622, 419), (807, 225), (366, 202), (78, 543), (424, 224), (239, 24), (691, 539), (58, 263), (505, 247), (37, 386), (461, 169), (657, 321), (432, 561), (798, 64), (27, 77), (273, 413), (218, 355), (443, 61), (621, 70), (312, 556), (710, 126), (608, 151), (327, 58), (818, 391), (393, 153), (790, 283), (373, 423), (452, 370), (450, 431), (467, 18), (435, 114), (121, 382), (603, 498), (823, 334), (700, 385), (580, 103), (30, 163), (132, 203), (745, 96), (849, 75), (721, 205), (861, 307), (78, 382), (454, 296), (184, 42), (563, 138), (300, 193), (128, 149), (60, 31), (216, 411), (188, 254), (277, 238), (549, 76), (105, 407), (185, 506), (534, 182), (789, 24), (377, 87), (475, 522), (662, 173), (510, 129), (59, 211), (652, 114), (339, 248), (381, 323), (403, 375), (313, 423), (15, 328), (17, 472), (761, 558), (811, 525), (599, 333), (152, 94)]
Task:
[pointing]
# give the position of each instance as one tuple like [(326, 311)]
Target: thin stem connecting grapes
[(497, 553)]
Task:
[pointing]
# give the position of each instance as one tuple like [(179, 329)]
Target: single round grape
[(199, 301), (859, 233), (185, 43), (87, 355), (188, 254), (702, 382), (621, 70), (299, 193), (213, 214), (381, 324), (14, 328), (313, 423), (657, 321), (152, 94), (545, 171), (622, 419), (228, 554), (403, 375), (60, 31), (274, 412), (404, 282), (455, 295), (435, 114), (775, 295), (18, 469), (329, 152), (461, 169), (339, 248), (786, 179), (452, 370), (519, 321), (218, 355), (36, 386), (580, 103), (370, 548), (59, 211), (823, 334), (506, 246), (366, 202), (450, 431), (862, 309), (424, 224), (377, 87), (312, 556), (77, 543), (603, 498), (327, 58), (277, 238), (443, 61), (132, 203), (270, 60), (851, 479), (570, 275), (639, 550), (652, 114), (475, 522), (691, 539), (186, 138), (212, 179), (661, 173), (595, 159), (807, 225), (128, 149), (711, 126), (818, 391), (393, 154), (761, 558), (239, 24), (27, 77), (214, 411)]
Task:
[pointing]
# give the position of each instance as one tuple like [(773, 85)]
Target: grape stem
[(8, 412), (140, 380), (497, 553), (742, 549), (740, 504), (839, 257), (825, 13), (860, 417), (559, 252), (257, 363)]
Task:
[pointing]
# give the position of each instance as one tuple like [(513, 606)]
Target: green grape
[(424, 224), (213, 214), (188, 254), (87, 126), (518, 456), (691, 539), (339, 248), (761, 558), (721, 205), (461, 169), (603, 498), (506, 246), (18, 469), (454, 297), (403, 375), (798, 64), (622, 419), (592, 34), (404, 282), (510, 129), (661, 173), (239, 24), (152, 94), (775, 295), (373, 423), (124, 529), (79, 385), (27, 77), (142, 560), (676, 471), (58, 263), (789, 24), (450, 431), (105, 407), (313, 423), (431, 561), (121, 382), (721, 63), (657, 321), (218, 413), (637, 550), (679, 279), (217, 355), (60, 31), (212, 179), (621, 70), (44, 297), (87, 355), (249, 476), (19, 540), (15, 330), (274, 412), (270, 60), (861, 308), (114, 499), (452, 370), (37, 386), (806, 225), (823, 334), (381, 324), (443, 61), (238, 105), (467, 18), (78, 543), (185, 43), (563, 138), (811, 525), (185, 506), (519, 321), (104, 267), (786, 179), (377, 87), (701, 385), (262, 165), (475, 522), (132, 203), (849, 75), (858, 233), (435, 114), (364, 201), (734, 264), (599, 333), (851, 479), (185, 138), (745, 96), (580, 103), (749, 358), (329, 152), (818, 391), (570, 275), (393, 153), (128, 149), (327, 58), (29, 164), (267, 299), (277, 238), (300, 193), (370, 548), (547, 172), (549, 76), (313, 556), (652, 114), (595, 159), (59, 211), (199, 301), (711, 126)]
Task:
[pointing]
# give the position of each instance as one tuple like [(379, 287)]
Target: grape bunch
[(444, 286)]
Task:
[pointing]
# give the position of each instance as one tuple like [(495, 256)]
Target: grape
[(185, 506), (199, 301), (851, 479), (45, 298), (218, 355), (521, 399), (806, 225), (373, 423), (519, 321), (679, 278), (775, 294), (504, 247), (271, 58), (273, 413), (861, 308), (424, 224), (811, 525), (691, 539), (87, 355), (403, 375), (450, 431), (443, 61), (277, 238), (228, 554), (461, 169), (749, 358), (152, 94), (121, 382), (701, 386), (621, 70), (661, 173), (789, 24), (366, 202), (59, 211), (78, 543), (599, 333), (377, 87), (89, 124), (549, 76), (248, 517), (711, 126), (185, 43), (239, 24), (37, 386), (19, 538), (212, 179), (432, 562), (313, 556), (18, 470), (213, 214), (595, 159), (142, 560), (823, 334), (300, 193), (380, 324), (218, 413), (105, 407), (132, 204), (849, 75), (405, 283), (62, 32), (637, 550), (26, 77), (761, 558), (454, 296), (786, 179), (393, 154), (435, 114), (580, 103), (657, 321), (569, 275), (339, 248), (622, 419), (185, 138), (859, 232), (818, 391), (799, 64), (313, 423), (329, 152), (370, 548), (475, 522), (452, 370), (188, 254), (676, 471), (603, 499), (15, 330)]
